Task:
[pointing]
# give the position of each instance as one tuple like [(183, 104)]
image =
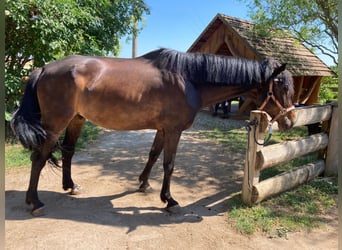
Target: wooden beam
[(275, 154), (231, 46), (312, 114), (299, 89), (333, 150), (313, 98), (286, 181), (312, 88), (249, 101), (251, 175), (309, 115)]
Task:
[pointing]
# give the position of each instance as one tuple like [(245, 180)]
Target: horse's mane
[(212, 69)]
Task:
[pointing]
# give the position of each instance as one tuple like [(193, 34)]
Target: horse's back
[(88, 70), (113, 93)]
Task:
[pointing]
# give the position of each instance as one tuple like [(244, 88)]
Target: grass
[(302, 208), (16, 156), (234, 139)]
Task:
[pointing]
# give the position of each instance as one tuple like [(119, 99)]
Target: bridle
[(282, 110)]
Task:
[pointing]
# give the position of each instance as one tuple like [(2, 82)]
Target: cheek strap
[(270, 95)]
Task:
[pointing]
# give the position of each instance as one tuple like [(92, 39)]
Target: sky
[(176, 24)]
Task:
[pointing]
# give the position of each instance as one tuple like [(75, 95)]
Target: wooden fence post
[(255, 136), (331, 162)]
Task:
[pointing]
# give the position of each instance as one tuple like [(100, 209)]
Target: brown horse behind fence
[(161, 90)]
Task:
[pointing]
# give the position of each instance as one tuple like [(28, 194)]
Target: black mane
[(212, 69)]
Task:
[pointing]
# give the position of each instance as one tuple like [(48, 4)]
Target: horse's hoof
[(144, 188), (38, 212), (75, 190), (176, 209)]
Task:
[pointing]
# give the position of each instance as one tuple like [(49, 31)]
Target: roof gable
[(300, 60)]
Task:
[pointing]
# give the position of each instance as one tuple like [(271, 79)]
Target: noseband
[(282, 110)]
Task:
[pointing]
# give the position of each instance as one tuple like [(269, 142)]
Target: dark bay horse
[(161, 90)]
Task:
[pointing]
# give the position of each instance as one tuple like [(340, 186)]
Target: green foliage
[(328, 92), (329, 88), (89, 134), (313, 23), (38, 31), (46, 29), (14, 89)]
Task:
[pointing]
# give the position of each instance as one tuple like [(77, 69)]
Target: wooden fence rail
[(260, 157)]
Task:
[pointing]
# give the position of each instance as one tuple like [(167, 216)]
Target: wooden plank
[(275, 154), (332, 151), (286, 181)]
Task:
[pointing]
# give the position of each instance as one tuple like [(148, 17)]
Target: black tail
[(26, 122)]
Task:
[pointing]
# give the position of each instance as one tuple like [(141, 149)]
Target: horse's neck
[(213, 94)]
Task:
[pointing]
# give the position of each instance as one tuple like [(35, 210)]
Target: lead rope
[(255, 124), (249, 129)]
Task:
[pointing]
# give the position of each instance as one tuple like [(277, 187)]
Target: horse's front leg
[(155, 151), (170, 148), (72, 133)]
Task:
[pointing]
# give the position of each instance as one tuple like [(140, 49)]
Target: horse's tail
[(26, 121)]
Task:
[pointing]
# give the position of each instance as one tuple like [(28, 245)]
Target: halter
[(282, 110)]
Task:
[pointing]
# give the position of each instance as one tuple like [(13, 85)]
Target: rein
[(255, 124)]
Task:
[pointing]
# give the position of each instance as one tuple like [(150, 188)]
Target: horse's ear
[(279, 69)]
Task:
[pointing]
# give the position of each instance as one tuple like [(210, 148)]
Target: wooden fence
[(259, 157)]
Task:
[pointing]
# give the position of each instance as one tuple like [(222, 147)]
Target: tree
[(313, 22), (38, 31)]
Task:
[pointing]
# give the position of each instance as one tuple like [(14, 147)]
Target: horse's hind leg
[(72, 133), (155, 151), (38, 158)]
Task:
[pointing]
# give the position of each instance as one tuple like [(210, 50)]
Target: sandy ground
[(110, 214)]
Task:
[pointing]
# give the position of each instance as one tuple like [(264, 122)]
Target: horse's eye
[(278, 80)]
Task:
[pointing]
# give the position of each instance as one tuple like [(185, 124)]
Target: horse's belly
[(123, 118)]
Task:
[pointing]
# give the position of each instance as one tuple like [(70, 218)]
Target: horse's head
[(276, 96)]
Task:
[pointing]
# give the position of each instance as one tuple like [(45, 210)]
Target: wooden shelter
[(235, 37)]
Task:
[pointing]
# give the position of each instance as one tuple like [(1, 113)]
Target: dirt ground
[(110, 214)]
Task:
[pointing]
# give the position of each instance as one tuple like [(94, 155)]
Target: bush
[(329, 88)]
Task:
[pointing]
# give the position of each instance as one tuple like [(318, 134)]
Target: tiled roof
[(301, 61)]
